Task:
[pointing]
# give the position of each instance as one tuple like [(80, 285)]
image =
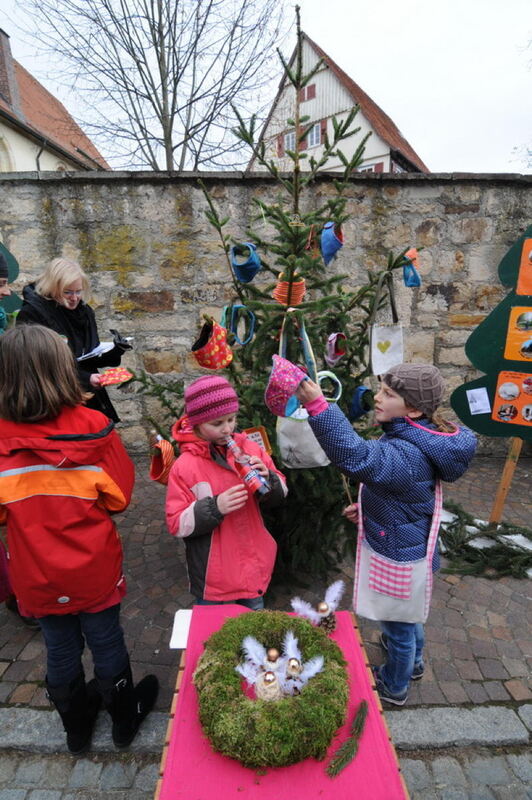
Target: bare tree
[(158, 77)]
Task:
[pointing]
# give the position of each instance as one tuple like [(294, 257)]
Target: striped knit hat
[(208, 398), (420, 385)]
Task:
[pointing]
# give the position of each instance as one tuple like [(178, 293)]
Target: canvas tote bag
[(386, 341), (297, 444), (394, 590)]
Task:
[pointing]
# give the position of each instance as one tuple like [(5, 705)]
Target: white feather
[(248, 671), (334, 593), (291, 647), (304, 609), (311, 668), (253, 650)]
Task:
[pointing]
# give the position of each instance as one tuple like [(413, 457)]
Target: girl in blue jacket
[(400, 502)]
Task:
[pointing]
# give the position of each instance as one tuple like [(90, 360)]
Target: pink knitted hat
[(208, 398)]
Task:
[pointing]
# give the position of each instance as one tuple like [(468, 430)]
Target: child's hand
[(307, 391), (351, 512), (260, 466), (232, 499)]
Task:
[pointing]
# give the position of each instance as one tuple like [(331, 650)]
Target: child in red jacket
[(63, 472), (230, 554)]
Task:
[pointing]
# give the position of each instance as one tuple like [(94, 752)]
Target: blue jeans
[(65, 636), (405, 642), (254, 603)]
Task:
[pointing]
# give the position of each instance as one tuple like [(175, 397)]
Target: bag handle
[(306, 347), (384, 277)]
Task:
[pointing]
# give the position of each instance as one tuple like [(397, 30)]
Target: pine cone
[(328, 622)]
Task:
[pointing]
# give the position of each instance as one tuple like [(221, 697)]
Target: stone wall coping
[(237, 176)]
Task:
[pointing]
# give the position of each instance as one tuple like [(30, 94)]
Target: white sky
[(454, 75)]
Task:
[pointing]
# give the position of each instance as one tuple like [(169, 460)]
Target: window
[(307, 93), (290, 141), (314, 135), (378, 167)]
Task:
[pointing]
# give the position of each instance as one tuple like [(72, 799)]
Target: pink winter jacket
[(231, 557)]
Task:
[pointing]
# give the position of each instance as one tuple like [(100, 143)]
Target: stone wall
[(156, 264)]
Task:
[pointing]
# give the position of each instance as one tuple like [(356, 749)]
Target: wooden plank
[(173, 706), (379, 704), (506, 479)]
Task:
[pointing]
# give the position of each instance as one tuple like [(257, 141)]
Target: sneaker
[(419, 669), (385, 694)]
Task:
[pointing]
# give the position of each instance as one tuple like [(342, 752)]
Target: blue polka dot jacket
[(398, 471)]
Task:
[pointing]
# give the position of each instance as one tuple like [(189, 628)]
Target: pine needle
[(348, 750)]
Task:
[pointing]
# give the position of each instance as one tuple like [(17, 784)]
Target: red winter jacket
[(231, 557), (59, 482)]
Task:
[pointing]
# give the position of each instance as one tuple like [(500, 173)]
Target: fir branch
[(348, 750)]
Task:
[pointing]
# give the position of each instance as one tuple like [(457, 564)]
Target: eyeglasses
[(69, 293)]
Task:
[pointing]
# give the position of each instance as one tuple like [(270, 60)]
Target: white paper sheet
[(479, 402), (179, 637)]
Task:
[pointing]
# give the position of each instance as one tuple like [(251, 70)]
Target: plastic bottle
[(254, 481)]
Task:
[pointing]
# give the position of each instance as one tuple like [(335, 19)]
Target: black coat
[(79, 326)]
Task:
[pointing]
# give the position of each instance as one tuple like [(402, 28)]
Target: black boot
[(128, 704), (78, 704)]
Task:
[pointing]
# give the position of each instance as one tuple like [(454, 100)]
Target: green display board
[(500, 402)]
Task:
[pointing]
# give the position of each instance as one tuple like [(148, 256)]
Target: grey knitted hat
[(3, 266), (420, 385)]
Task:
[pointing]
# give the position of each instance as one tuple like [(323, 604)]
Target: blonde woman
[(57, 300)]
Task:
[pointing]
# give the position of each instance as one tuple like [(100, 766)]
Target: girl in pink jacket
[(230, 554)]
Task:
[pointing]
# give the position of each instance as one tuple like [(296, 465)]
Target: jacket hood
[(69, 438), (450, 453)]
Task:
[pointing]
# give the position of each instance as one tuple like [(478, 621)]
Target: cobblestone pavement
[(478, 651)]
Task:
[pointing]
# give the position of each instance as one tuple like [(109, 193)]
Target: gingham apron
[(394, 590)]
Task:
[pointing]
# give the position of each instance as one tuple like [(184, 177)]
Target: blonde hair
[(443, 425), (57, 275), (39, 375)]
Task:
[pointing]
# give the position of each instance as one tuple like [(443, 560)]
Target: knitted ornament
[(420, 385), (284, 379), (211, 349), (208, 398), (289, 295)]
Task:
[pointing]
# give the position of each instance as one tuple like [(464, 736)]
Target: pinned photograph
[(527, 385), (508, 391), (524, 321), (526, 349), (526, 411), (507, 412)]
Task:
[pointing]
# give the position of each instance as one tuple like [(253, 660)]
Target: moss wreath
[(270, 734)]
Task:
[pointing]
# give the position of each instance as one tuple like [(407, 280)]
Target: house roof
[(43, 115), (380, 122), (378, 119)]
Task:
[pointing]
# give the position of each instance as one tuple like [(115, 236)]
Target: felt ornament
[(115, 376), (211, 349), (162, 459), (360, 403), (334, 350), (289, 295), (332, 239), (410, 275), (245, 261), (282, 385)]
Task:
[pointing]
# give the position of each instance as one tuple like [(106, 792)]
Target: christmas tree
[(500, 402), (287, 235)]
